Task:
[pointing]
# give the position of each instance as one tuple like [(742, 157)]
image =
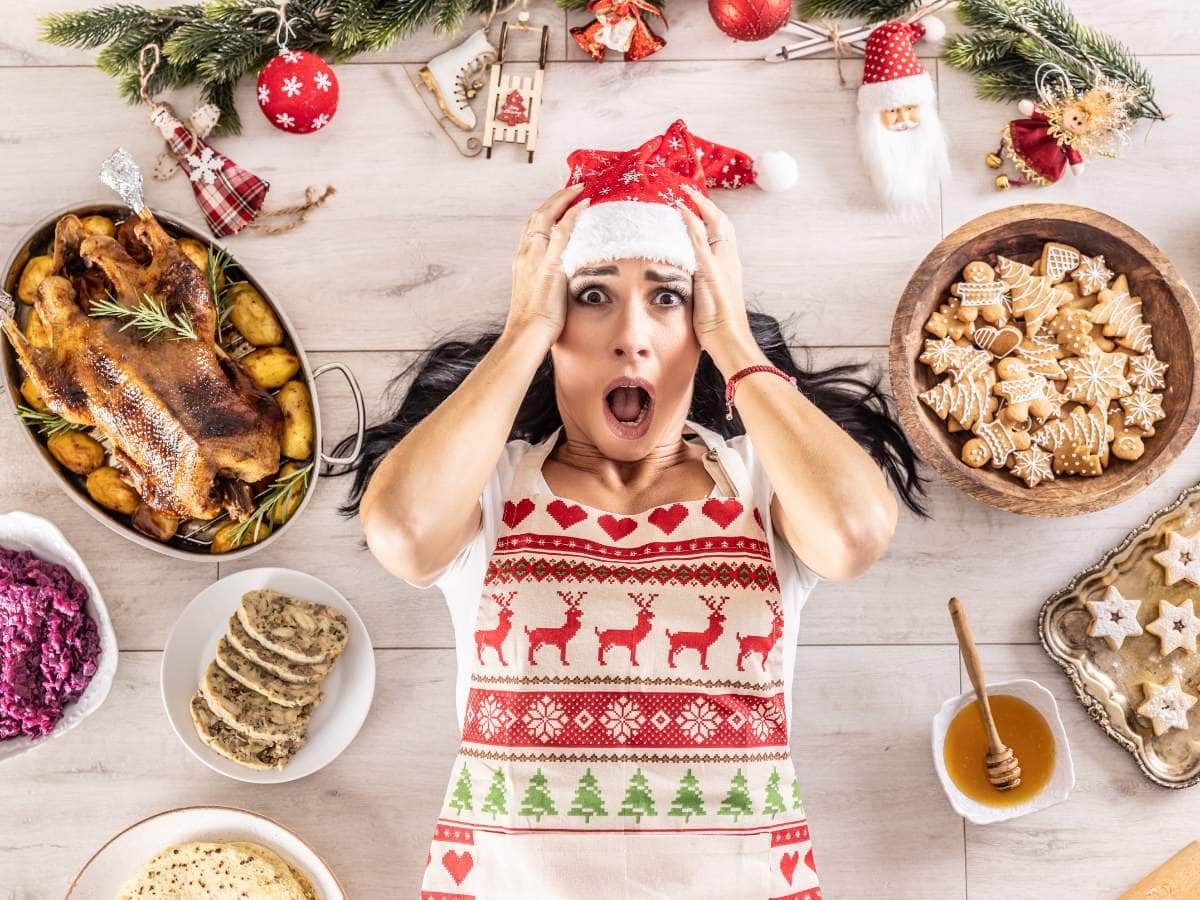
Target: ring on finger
[(715, 238), (532, 234)]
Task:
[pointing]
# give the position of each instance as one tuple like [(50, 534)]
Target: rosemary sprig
[(280, 493), (47, 423), (150, 317), (218, 262)]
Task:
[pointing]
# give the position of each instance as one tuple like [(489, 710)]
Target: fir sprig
[(48, 424), (280, 493), (219, 261), (870, 11), (150, 317)]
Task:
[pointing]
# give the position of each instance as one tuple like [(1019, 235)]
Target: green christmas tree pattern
[(461, 798), (638, 800), (797, 803), (538, 802), (496, 801), (688, 800), (737, 801), (587, 802), (774, 804)]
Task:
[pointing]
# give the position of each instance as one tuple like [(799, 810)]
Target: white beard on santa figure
[(905, 162)]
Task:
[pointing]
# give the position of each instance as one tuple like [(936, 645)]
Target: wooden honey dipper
[(1003, 769)]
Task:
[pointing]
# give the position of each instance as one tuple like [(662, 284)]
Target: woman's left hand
[(718, 305)]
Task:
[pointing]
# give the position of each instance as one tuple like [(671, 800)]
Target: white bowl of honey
[(1028, 721)]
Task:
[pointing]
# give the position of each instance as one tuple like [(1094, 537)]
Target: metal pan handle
[(360, 407)]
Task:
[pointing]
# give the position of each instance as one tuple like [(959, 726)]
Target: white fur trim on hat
[(906, 91), (629, 229)]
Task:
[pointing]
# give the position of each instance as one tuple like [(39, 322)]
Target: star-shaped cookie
[(1096, 378), (1176, 626), (1181, 559), (1166, 705), (1091, 275), (940, 354), (1147, 371), (1033, 466), (1142, 409), (1114, 618)]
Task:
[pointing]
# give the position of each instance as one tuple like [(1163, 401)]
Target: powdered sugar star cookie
[(1114, 618), (1176, 627), (1166, 705), (1181, 559)]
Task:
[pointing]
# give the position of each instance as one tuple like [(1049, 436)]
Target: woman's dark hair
[(849, 395)]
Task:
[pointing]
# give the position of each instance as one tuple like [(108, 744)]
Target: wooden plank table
[(416, 245)]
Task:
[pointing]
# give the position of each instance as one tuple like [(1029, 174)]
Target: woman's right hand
[(539, 294)]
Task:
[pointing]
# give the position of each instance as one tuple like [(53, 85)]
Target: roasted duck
[(190, 428)]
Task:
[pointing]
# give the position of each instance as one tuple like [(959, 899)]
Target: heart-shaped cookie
[(998, 341)]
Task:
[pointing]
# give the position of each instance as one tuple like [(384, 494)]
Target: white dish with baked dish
[(1062, 779), (25, 531)]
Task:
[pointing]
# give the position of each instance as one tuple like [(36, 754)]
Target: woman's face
[(627, 354)]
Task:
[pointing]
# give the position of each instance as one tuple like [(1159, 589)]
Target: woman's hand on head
[(539, 292), (718, 305)]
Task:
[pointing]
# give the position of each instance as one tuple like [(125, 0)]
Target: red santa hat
[(634, 195), (893, 74)]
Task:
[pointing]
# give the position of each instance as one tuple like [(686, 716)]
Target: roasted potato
[(36, 332), (99, 225), (198, 253), (159, 526), (74, 450), (33, 397), (271, 367), (107, 488), (252, 316), (293, 398), (32, 275), (284, 511), (224, 541)]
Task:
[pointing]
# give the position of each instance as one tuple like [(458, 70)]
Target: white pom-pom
[(775, 170), (935, 29), (1025, 107)]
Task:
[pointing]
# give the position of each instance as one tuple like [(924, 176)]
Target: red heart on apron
[(808, 860), (459, 865), (721, 511), (758, 519), (515, 512), (564, 515), (668, 518), (616, 528), (787, 864)]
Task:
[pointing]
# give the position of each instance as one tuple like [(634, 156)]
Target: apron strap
[(725, 466)]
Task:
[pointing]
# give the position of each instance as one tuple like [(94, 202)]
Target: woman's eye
[(668, 298), (593, 296)]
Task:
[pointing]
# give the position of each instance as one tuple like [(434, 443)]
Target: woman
[(626, 600)]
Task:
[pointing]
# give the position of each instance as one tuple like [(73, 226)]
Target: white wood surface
[(415, 246)]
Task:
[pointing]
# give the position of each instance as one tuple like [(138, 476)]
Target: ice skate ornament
[(455, 77), (1062, 129), (230, 196), (619, 27)]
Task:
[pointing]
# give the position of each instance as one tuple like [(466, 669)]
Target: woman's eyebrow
[(593, 271), (663, 277)]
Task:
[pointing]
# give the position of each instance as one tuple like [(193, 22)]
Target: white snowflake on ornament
[(285, 120), (290, 56), (264, 94), (292, 86), (674, 143), (699, 720), (204, 167), (321, 81), (319, 122)]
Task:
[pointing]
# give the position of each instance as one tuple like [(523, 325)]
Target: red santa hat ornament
[(635, 195)]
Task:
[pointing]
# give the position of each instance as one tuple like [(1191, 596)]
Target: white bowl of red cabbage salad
[(58, 651)]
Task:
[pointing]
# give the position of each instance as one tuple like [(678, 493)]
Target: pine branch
[(150, 317), (48, 424), (870, 11), (280, 493), (980, 49)]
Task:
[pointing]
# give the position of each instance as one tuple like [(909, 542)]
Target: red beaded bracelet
[(731, 383)]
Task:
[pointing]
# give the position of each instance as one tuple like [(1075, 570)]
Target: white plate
[(348, 688), (25, 531), (126, 852)]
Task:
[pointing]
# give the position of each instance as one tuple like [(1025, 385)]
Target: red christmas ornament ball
[(298, 92), (750, 20)]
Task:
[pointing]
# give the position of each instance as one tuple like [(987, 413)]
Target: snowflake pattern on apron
[(626, 721)]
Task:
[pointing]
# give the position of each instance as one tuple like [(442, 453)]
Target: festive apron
[(625, 732)]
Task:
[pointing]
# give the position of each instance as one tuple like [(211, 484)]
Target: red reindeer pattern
[(560, 636), (699, 640), (761, 643), (628, 637), (495, 637)]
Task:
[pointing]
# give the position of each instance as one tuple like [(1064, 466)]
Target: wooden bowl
[(1019, 232)]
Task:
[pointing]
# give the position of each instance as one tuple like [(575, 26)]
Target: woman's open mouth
[(629, 406)]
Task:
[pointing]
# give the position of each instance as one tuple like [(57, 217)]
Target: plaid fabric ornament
[(229, 195)]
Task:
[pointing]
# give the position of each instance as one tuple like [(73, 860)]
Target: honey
[(1022, 728)]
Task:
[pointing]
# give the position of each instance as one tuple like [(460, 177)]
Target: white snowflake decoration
[(630, 177), (285, 120), (292, 85), (698, 720), (577, 175), (321, 81), (264, 94), (623, 719), (674, 143), (320, 122), (764, 718), (545, 718), (669, 195), (205, 166), (489, 717), (290, 56)]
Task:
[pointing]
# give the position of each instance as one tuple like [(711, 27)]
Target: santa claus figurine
[(900, 135)]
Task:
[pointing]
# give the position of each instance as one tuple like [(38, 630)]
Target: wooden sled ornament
[(514, 103)]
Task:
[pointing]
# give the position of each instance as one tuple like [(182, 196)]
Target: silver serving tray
[(190, 543)]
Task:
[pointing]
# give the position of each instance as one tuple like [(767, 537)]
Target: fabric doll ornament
[(900, 134), (1062, 129), (635, 194), (619, 26)]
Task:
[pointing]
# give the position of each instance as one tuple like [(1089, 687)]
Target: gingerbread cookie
[(1114, 618), (939, 354), (1181, 559), (1142, 409), (1058, 260), (1091, 275), (979, 293), (1096, 379), (1033, 466), (1166, 705), (1147, 371), (1031, 296), (1176, 627), (1024, 394), (994, 442)]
